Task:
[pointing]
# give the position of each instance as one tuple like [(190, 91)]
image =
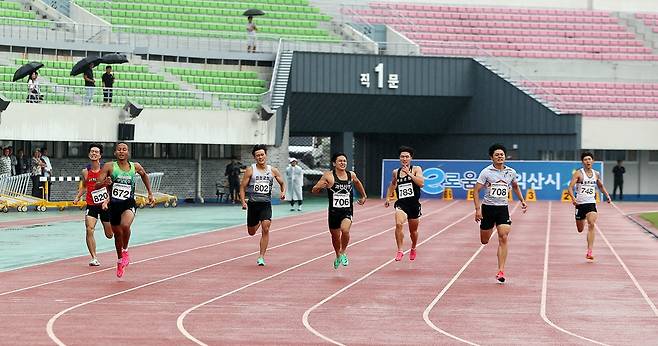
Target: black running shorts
[(583, 209), (257, 212), (96, 211), (493, 215), (337, 216), (117, 209), (412, 210)]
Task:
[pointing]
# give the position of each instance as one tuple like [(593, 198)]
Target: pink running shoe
[(589, 255), (120, 268), (125, 258), (398, 256), (412, 254), (500, 277)]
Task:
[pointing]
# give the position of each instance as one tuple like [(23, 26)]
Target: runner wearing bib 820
[(496, 179), (339, 183), (406, 183), (120, 176), (95, 197), (586, 180)]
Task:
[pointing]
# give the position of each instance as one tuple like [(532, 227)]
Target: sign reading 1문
[(393, 79)]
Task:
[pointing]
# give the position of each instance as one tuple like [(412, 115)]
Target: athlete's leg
[(127, 218), (591, 223), (335, 240), (345, 226), (503, 232), (264, 236), (413, 231), (253, 229), (118, 239), (580, 225), (400, 219), (485, 234), (107, 228), (90, 224)]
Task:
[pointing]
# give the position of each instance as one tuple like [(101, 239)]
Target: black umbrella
[(253, 12), (83, 64), (113, 59), (27, 70)]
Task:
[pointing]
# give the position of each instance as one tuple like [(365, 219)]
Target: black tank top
[(340, 195), (408, 192)]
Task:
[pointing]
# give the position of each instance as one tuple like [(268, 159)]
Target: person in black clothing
[(618, 171), (22, 162), (232, 173), (90, 84), (108, 82)]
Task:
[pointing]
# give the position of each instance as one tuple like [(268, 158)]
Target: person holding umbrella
[(108, 82), (34, 91), (90, 84), (251, 28)]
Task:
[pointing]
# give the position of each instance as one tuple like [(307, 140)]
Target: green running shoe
[(337, 262), (343, 260), (260, 261)]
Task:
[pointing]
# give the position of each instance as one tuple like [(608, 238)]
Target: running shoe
[(299, 208), (343, 260), (412, 254), (589, 255), (399, 255), (337, 262), (500, 277), (125, 258), (94, 262), (120, 268), (292, 209), (260, 261)]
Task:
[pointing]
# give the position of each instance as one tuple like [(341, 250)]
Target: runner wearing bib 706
[(406, 182), (340, 184), (496, 179), (95, 199), (586, 180), (120, 176)]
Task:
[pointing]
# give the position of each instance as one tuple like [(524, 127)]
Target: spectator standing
[(13, 160), (232, 173), (90, 84), (5, 162), (21, 162), (251, 35), (36, 173), (295, 180), (47, 171), (33, 89), (108, 83), (618, 171)]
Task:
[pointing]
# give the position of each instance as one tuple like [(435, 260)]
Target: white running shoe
[(94, 262), (299, 208)]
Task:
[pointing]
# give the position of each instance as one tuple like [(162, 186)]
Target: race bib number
[(262, 187), (498, 191), (587, 190), (121, 191), (99, 196), (405, 190), (341, 200)]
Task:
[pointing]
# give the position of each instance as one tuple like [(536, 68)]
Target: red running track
[(207, 289)]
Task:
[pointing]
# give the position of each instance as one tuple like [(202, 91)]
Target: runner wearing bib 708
[(339, 183), (496, 179)]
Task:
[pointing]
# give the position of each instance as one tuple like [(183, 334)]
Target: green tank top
[(123, 182)]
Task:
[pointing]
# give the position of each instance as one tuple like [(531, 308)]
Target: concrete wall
[(641, 176), (619, 133)]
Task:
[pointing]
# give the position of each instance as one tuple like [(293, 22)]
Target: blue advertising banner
[(547, 178)]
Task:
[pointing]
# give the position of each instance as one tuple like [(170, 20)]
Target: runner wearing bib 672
[(257, 185), (120, 176), (339, 183), (406, 182), (586, 180), (95, 197), (496, 179)]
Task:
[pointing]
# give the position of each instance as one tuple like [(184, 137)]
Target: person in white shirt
[(585, 180), (295, 180), (496, 179), (251, 35), (47, 172), (34, 91)]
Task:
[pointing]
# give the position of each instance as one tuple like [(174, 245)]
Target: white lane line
[(308, 312), (544, 286), (426, 313), (181, 317), (53, 319), (158, 257)]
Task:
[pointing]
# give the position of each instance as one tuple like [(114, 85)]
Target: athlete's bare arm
[(476, 201), (243, 185), (391, 188), (145, 178), (83, 187), (416, 175), (574, 179), (519, 195), (282, 183), (599, 183), (104, 179), (325, 182), (360, 188)]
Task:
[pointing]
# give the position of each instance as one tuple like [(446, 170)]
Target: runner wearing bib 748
[(586, 180), (256, 197), (496, 179), (406, 182), (94, 198), (120, 176), (339, 183)]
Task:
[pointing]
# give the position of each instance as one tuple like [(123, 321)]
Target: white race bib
[(406, 190), (262, 187), (498, 191), (587, 190), (99, 196), (121, 191), (341, 200)]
